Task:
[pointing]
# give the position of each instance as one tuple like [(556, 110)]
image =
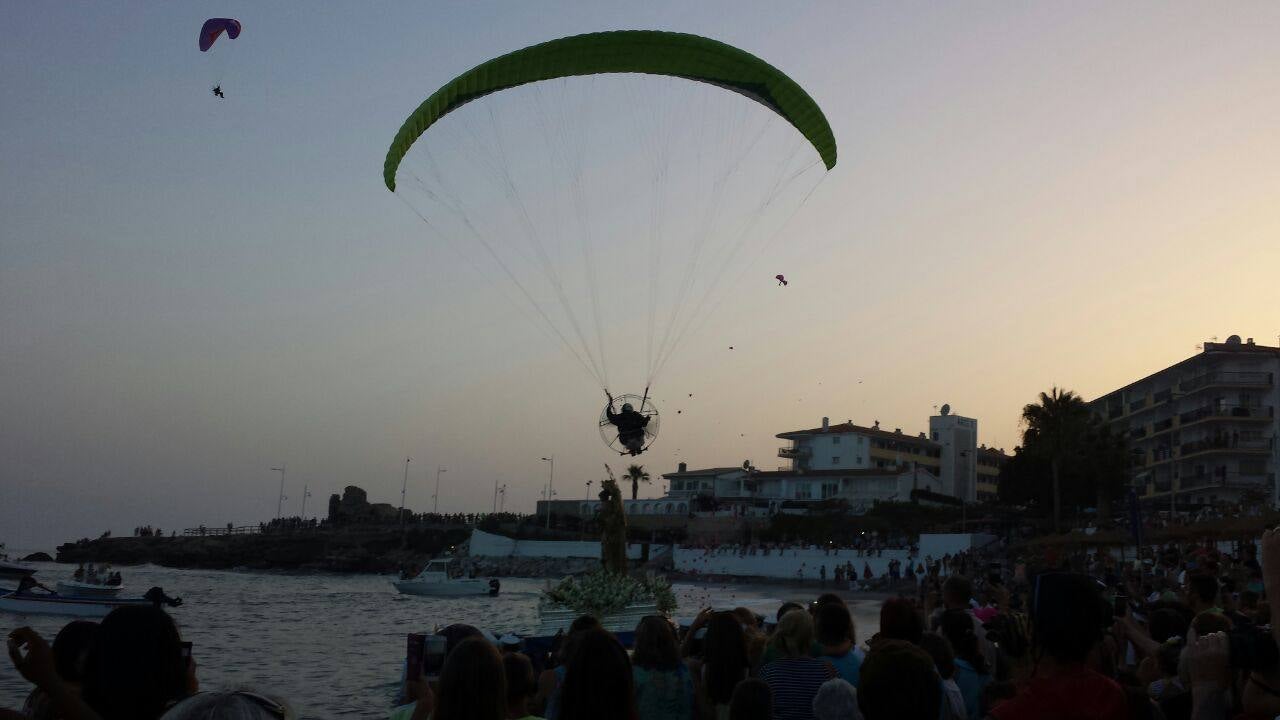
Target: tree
[(637, 475), (1056, 428)]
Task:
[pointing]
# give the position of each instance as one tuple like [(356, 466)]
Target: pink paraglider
[(781, 280), (213, 27)]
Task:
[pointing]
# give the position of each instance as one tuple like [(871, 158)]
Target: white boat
[(12, 571), (76, 588), (55, 604), (443, 578)]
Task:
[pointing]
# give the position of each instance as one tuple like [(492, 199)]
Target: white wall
[(809, 560), (485, 544)]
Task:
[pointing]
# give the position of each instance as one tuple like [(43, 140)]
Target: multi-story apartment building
[(1203, 431), (949, 451)]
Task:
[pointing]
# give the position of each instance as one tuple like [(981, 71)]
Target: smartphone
[(433, 655), (413, 655), (1122, 605), (186, 651)]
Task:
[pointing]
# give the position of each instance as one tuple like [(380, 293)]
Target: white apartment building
[(1203, 431)]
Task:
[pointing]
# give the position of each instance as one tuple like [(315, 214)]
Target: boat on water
[(80, 588), (11, 571), (29, 603), (443, 577)]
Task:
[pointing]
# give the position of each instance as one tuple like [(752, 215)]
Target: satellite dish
[(946, 409), (1233, 340)]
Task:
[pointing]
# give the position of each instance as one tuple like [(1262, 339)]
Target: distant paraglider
[(782, 281), (214, 27)]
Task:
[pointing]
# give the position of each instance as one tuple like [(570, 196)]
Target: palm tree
[(637, 475), (1056, 425)]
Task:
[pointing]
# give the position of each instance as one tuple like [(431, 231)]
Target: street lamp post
[(502, 498), (551, 480), (404, 485), (588, 497), (280, 499), (306, 494), (435, 499)]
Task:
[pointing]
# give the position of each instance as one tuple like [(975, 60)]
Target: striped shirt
[(795, 682)]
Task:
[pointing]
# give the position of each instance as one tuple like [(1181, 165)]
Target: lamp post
[(404, 485), (435, 499), (551, 480), (306, 494), (588, 497), (502, 498), (280, 499)]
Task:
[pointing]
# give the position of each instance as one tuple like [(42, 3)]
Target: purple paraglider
[(213, 27)]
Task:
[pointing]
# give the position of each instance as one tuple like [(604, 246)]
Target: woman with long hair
[(598, 682), (725, 663), (972, 674), (664, 687)]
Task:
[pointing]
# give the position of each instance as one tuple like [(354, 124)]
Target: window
[(804, 492), (879, 463), (835, 459), (935, 435), (835, 439), (830, 489), (859, 459)]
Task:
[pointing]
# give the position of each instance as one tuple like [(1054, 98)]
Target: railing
[(1114, 412), (1227, 411), (1161, 425), (1138, 433), (1262, 379), (1137, 405), (1225, 443), (791, 452), (224, 530)]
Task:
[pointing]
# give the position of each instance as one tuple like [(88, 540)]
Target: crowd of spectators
[(1179, 635)]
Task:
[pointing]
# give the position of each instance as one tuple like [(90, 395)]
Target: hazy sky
[(193, 291)]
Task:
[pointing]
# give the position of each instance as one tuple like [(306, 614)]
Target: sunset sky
[(194, 291)]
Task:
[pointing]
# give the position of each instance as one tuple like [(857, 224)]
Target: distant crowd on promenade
[(1182, 632)]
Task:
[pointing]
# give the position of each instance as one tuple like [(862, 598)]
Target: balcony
[(795, 453), (1225, 443), (1137, 433), (1234, 379), (1227, 411), (1137, 405)]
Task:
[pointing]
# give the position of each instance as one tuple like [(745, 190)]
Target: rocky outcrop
[(354, 507), (349, 549), (38, 557)]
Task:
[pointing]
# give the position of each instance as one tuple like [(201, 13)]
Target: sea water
[(332, 645)]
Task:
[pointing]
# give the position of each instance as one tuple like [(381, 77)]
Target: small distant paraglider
[(214, 27), (782, 280)]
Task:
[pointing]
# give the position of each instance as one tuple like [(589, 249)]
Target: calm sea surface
[(332, 645)]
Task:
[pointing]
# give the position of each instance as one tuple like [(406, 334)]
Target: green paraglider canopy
[(624, 51)]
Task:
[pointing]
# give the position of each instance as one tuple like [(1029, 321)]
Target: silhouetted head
[(626, 407), (752, 700), (597, 680), (725, 657), (71, 649), (656, 647), (473, 683), (899, 682), (135, 666)]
